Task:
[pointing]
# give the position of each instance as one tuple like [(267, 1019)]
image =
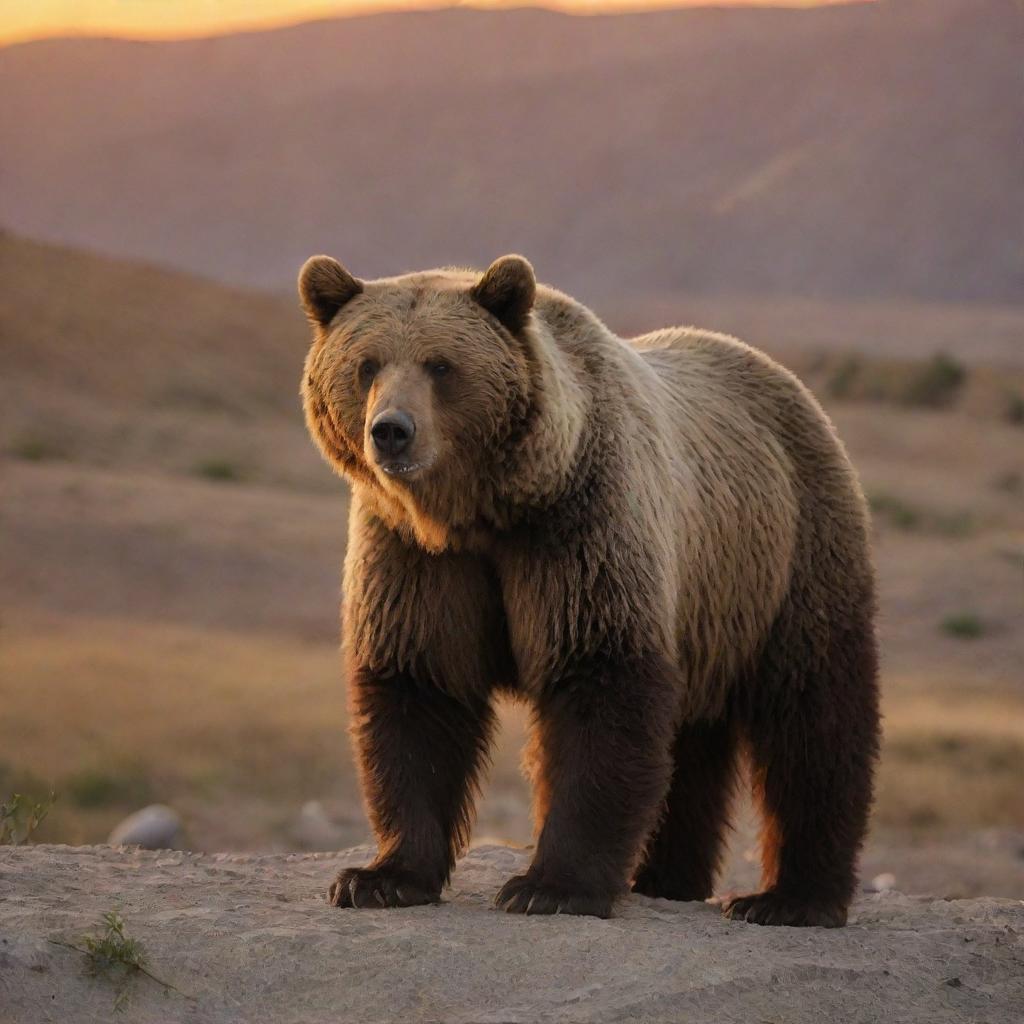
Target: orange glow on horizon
[(169, 19)]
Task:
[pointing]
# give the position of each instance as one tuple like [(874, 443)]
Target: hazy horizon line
[(306, 13)]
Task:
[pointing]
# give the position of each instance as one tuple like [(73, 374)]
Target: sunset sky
[(27, 19)]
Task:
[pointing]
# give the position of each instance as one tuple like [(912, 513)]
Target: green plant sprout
[(20, 816), (117, 956)]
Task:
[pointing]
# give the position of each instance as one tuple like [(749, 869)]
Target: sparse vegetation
[(1015, 408), (964, 625), (221, 470), (112, 948), (96, 787), (954, 762), (115, 955), (199, 397), (843, 378), (895, 511), (36, 448), (20, 816), (28, 809), (1010, 482), (936, 383), (953, 524), (904, 515), (257, 750)]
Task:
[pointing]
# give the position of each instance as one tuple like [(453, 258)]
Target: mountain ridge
[(852, 151)]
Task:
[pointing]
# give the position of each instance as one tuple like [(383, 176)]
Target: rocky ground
[(234, 937)]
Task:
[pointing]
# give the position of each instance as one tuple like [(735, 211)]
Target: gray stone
[(155, 827)]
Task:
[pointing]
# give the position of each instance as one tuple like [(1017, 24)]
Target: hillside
[(121, 364), (130, 365), (135, 335), (868, 150)]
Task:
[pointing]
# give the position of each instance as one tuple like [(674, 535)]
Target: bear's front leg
[(419, 751), (603, 742)]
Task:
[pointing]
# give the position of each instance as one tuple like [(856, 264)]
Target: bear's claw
[(373, 888), (772, 908), (523, 894)]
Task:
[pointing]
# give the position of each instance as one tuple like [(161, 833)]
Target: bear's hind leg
[(812, 731), (684, 852)]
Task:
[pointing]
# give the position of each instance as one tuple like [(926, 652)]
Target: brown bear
[(659, 543)]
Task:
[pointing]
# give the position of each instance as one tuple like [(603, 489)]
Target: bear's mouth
[(401, 468)]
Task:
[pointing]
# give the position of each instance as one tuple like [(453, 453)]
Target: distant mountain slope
[(132, 367), (128, 335), (867, 150)]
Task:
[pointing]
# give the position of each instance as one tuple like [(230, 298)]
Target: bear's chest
[(559, 607)]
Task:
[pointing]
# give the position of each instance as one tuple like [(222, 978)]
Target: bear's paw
[(373, 888), (773, 908), (524, 894)]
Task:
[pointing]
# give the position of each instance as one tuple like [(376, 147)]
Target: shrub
[(953, 524), (965, 626), (20, 816), (220, 470), (903, 515), (895, 511), (936, 383), (33, 448), (844, 377), (1010, 482), (92, 787), (1015, 408)]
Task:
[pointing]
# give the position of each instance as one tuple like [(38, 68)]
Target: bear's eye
[(367, 371), (438, 368)]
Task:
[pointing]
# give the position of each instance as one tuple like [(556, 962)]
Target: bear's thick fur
[(659, 543)]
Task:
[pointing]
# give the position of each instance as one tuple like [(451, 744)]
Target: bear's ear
[(324, 287), (507, 290)]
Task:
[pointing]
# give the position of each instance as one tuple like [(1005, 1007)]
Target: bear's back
[(709, 376), (759, 470)]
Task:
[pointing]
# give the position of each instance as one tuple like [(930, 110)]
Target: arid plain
[(171, 552), (839, 186)]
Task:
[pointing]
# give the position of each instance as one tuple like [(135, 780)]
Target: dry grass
[(952, 760), (165, 637), (242, 729), (197, 714)]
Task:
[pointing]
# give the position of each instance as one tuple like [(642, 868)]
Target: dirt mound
[(251, 938)]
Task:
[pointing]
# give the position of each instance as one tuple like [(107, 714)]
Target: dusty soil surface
[(246, 937)]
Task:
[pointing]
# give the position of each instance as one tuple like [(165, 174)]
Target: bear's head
[(422, 388)]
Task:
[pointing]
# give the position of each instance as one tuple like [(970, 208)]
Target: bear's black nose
[(392, 431)]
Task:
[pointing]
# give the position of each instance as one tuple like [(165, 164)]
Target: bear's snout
[(392, 431)]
